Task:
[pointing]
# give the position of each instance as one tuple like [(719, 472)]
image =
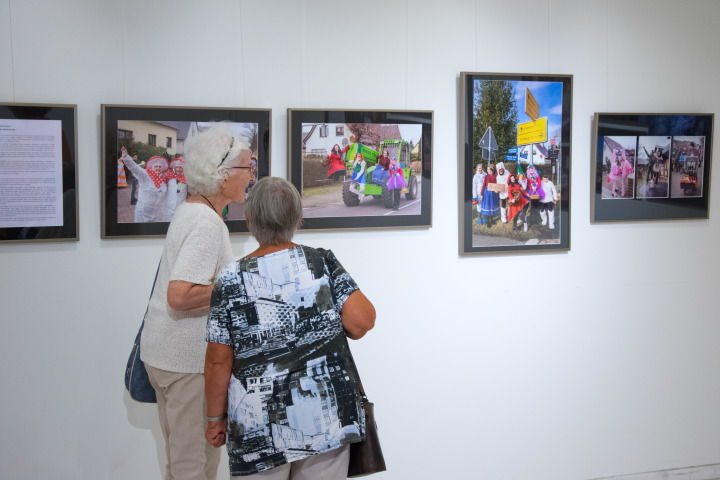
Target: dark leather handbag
[(137, 381), (366, 457), (136, 376)]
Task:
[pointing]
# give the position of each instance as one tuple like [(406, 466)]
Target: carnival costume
[(502, 178), (547, 204), (615, 173), (152, 189), (396, 182), (625, 169), (381, 171), (176, 189), (358, 174), (477, 185), (533, 183), (336, 164), (490, 201), (517, 204)]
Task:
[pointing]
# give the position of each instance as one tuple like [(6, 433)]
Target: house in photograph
[(184, 131), (157, 134), (318, 139)]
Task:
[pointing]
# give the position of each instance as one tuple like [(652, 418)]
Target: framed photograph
[(360, 168), (136, 206), (651, 166), (515, 143), (38, 172)]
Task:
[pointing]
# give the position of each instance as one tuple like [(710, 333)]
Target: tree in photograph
[(142, 150), (494, 106), (250, 132), (366, 133)]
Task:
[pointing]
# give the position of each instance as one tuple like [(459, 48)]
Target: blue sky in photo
[(549, 98)]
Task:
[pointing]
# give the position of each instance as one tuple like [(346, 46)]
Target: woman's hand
[(216, 433), (218, 368)]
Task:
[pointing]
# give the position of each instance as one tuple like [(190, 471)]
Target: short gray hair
[(274, 210), (204, 154)]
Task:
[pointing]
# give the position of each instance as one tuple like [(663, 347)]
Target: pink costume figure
[(533, 183), (625, 170), (615, 173)]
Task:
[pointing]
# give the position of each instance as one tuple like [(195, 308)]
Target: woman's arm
[(133, 167), (486, 180), (218, 368), (358, 315), (184, 296)]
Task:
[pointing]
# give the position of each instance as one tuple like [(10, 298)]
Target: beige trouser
[(332, 465), (181, 408)]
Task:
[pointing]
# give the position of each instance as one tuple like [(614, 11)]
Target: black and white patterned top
[(293, 391)]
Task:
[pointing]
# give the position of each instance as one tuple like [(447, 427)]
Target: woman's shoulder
[(197, 215), (309, 251), (317, 255)]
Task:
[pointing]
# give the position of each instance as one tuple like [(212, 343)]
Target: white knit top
[(197, 247)]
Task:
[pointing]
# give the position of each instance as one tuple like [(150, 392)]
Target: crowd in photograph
[(511, 197), (685, 153)]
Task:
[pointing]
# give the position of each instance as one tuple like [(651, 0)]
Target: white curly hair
[(208, 155)]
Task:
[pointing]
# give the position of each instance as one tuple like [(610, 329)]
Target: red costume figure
[(517, 202), (336, 167)]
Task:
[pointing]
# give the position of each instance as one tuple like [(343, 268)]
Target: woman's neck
[(216, 201), (266, 249)]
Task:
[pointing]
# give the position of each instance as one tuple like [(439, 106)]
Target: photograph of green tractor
[(353, 192)]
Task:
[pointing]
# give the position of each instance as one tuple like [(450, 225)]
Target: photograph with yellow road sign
[(515, 162)]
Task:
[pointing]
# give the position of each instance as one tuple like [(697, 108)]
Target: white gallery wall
[(600, 361)]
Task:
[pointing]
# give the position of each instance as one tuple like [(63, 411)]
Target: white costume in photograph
[(547, 214), (502, 180), (151, 193), (176, 188), (478, 180)]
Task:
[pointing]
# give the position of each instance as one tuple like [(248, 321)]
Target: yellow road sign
[(532, 109), (532, 132)]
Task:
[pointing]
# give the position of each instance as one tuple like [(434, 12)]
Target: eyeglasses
[(249, 168)]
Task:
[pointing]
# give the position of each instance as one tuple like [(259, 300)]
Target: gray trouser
[(332, 465)]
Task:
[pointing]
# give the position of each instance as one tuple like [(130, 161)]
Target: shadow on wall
[(144, 416)]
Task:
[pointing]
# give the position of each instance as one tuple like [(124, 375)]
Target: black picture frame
[(67, 116), (331, 210), (671, 151), (499, 111), (116, 116)]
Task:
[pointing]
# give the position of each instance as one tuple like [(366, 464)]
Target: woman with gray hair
[(280, 384), (197, 247)]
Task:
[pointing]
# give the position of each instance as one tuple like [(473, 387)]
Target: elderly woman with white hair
[(281, 386), (197, 247)]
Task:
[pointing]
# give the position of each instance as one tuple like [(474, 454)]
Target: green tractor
[(351, 193)]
